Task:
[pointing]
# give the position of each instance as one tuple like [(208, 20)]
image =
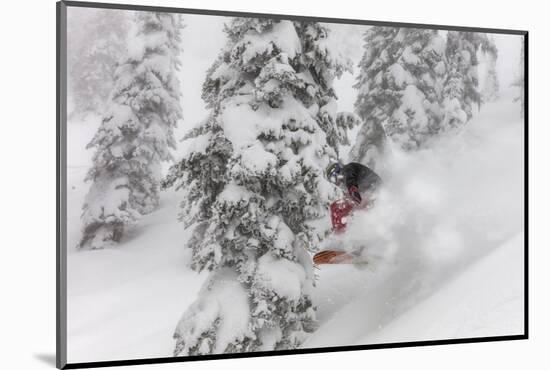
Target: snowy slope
[(484, 299), (125, 302), (115, 295)]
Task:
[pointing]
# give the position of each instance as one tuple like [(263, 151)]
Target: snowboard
[(336, 257)]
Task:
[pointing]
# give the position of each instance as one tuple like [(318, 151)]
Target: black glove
[(354, 194)]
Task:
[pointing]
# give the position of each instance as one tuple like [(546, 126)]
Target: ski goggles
[(335, 176)]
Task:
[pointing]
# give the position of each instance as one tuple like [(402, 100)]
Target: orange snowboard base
[(331, 257)]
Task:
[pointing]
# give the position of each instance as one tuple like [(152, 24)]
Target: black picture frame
[(61, 191)]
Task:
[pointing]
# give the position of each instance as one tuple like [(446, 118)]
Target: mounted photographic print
[(237, 184)]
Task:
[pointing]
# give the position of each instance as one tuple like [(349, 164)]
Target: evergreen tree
[(461, 92), (253, 184), (520, 79), (400, 88), (374, 98), (136, 132), (97, 40), (489, 53)]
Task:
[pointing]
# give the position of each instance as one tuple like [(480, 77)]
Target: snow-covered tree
[(400, 87), (461, 93), (254, 191), (488, 52), (97, 40), (375, 97), (520, 79), (136, 133)]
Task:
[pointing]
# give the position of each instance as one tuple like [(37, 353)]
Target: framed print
[(237, 184)]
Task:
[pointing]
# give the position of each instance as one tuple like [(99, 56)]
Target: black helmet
[(332, 172)]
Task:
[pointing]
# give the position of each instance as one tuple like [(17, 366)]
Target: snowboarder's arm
[(354, 194), (352, 184), (351, 176)]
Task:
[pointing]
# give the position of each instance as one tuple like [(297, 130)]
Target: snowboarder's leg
[(340, 210)]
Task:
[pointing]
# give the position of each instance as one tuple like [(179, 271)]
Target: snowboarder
[(359, 180), (360, 183)]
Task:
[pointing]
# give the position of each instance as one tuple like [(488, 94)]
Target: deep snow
[(124, 302), (481, 300)]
